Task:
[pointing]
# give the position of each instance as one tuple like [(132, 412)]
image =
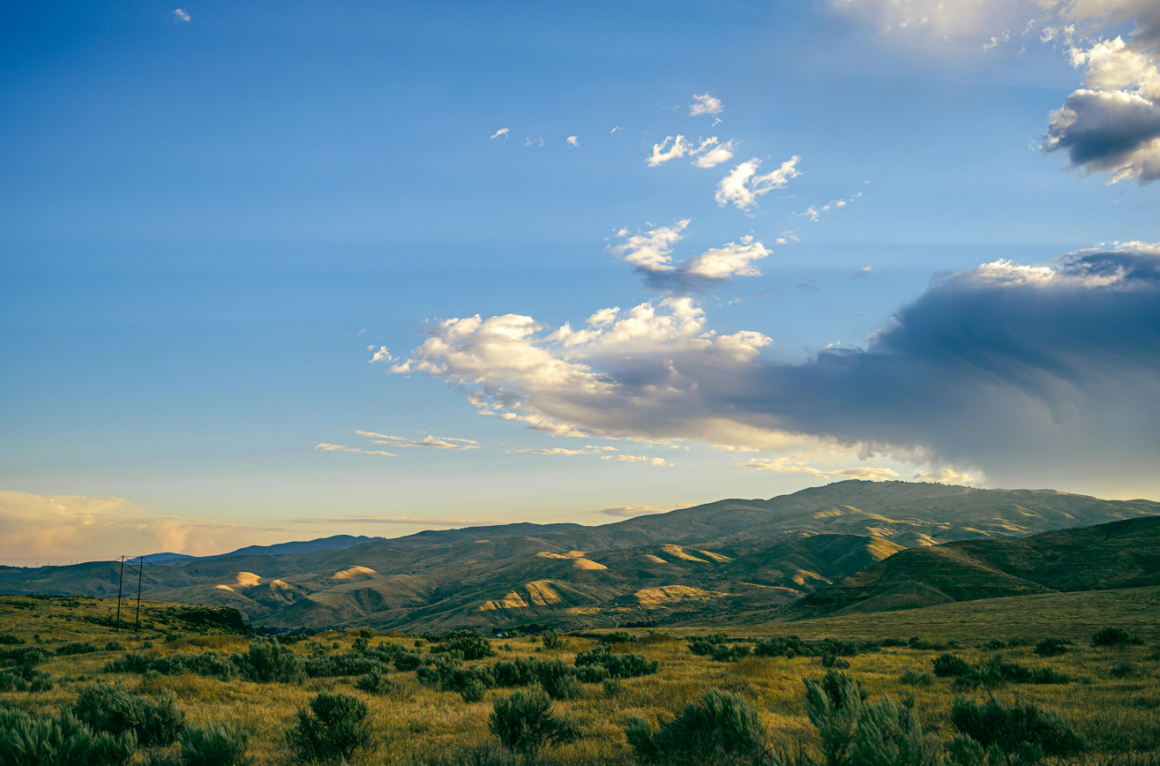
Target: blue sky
[(209, 218)]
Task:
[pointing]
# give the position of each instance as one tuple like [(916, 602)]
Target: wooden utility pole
[(120, 580), (140, 572)]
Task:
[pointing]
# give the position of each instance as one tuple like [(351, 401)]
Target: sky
[(282, 271)]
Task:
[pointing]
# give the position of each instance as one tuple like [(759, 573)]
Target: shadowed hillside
[(1122, 554)]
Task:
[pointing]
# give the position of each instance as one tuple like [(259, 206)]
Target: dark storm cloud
[(1108, 131)]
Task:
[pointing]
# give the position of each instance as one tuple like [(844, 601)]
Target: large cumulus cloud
[(1044, 369)]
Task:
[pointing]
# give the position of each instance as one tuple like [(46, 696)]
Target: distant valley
[(842, 548)]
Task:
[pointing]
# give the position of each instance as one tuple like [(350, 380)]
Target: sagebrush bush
[(62, 740), (375, 682), (472, 644), (721, 726), (25, 678), (704, 645), (552, 640), (107, 708), (525, 722), (1115, 637), (1052, 647), (950, 666), (617, 637), (1024, 734), (733, 653), (332, 726), (214, 745), (911, 677), (270, 661), (405, 661)]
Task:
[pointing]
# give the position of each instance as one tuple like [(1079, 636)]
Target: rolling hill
[(723, 559)]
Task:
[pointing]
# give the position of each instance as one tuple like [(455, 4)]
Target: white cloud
[(729, 260), (946, 476), (862, 273), (615, 129), (795, 464), (705, 104), (324, 447), (716, 155), (659, 461), (533, 141), (573, 140), (382, 355), (500, 132), (435, 442), (660, 155), (653, 250), (421, 521), (996, 40), (551, 451), (742, 186), (601, 449), (63, 528), (179, 14)]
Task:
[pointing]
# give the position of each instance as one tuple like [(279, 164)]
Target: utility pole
[(120, 580), (140, 572)]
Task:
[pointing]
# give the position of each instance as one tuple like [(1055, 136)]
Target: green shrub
[(617, 665), (1123, 670), (1052, 647), (525, 722), (333, 726), (110, 708), (209, 664), (722, 726), (1024, 734), (552, 640), (617, 637), (406, 661), (912, 677), (214, 745), (349, 664), (994, 645), (10, 640), (950, 666), (25, 678), (59, 741), (734, 653), (270, 662), (75, 647), (472, 645), (834, 661), (114, 646), (1115, 637), (375, 682), (704, 645)]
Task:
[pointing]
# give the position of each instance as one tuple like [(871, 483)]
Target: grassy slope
[(1114, 714), (1116, 555)]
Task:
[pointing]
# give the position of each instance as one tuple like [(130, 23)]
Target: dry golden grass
[(1116, 715)]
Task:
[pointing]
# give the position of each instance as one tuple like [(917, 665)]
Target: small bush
[(617, 637), (114, 646), (333, 726), (10, 640), (525, 722), (552, 640), (107, 708), (721, 724), (704, 645), (375, 682), (59, 741), (993, 645), (911, 677), (25, 678), (75, 647), (1024, 734), (1123, 670), (407, 661), (472, 645), (269, 661), (1115, 637), (1052, 647), (834, 661), (950, 666), (734, 653), (214, 745)]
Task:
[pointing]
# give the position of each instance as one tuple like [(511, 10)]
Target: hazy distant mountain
[(278, 549), (720, 559)]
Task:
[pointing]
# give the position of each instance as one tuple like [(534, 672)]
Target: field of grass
[(1113, 698)]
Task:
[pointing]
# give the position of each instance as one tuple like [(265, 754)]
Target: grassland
[(1113, 699)]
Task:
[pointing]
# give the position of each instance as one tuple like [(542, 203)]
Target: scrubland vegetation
[(75, 691)]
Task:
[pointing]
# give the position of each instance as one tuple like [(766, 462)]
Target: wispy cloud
[(324, 447), (435, 442), (615, 129), (632, 511), (500, 132), (179, 14), (412, 520), (814, 213), (716, 155), (62, 528), (862, 273), (794, 464), (651, 253), (552, 451), (381, 355), (660, 461), (705, 104), (742, 186), (573, 140)]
